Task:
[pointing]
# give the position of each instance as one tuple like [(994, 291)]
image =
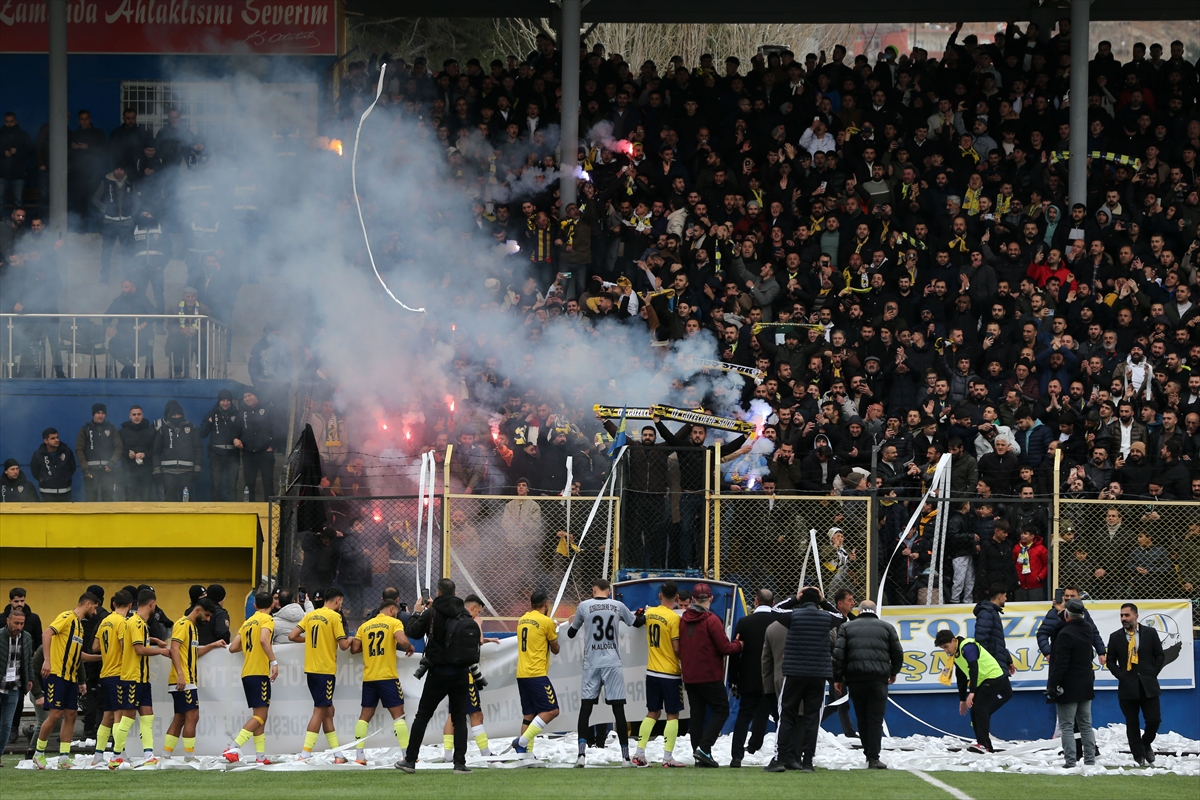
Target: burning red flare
[(375, 515), (407, 435), (336, 146), (385, 426), (623, 146)]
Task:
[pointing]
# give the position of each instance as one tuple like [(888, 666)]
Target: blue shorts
[(664, 692), (473, 704), (135, 695), (387, 692), (321, 688), (187, 700), (61, 694), (537, 695), (110, 694), (258, 691)]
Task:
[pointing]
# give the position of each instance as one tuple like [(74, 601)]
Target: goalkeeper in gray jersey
[(598, 619)]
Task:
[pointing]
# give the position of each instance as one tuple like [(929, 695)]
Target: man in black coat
[(1135, 657), (867, 657), (745, 678), (1070, 683), (996, 564)]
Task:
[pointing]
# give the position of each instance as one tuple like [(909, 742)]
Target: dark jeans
[(870, 703), (843, 712), (254, 465), (175, 483), (223, 471), (10, 705), (798, 693), (710, 699), (139, 482), (110, 234), (1149, 708), (690, 506), (753, 710), (989, 697), (101, 487), (1038, 594), (647, 519), (438, 686)]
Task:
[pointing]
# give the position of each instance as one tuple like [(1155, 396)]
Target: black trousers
[(843, 712), (223, 471), (870, 703), (1148, 707), (101, 487), (256, 464), (753, 710), (989, 697), (139, 483), (175, 483), (710, 699), (797, 728), (438, 686)]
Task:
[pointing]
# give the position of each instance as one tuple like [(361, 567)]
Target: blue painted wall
[(27, 407), (94, 81)]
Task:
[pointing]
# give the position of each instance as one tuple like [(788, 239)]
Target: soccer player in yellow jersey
[(110, 644), (323, 631), (664, 677), (259, 671), (184, 679), (135, 680), (537, 638), (377, 640), (62, 677)]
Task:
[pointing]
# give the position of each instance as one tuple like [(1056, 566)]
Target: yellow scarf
[(959, 243), (969, 152), (1003, 204), (568, 225), (758, 197), (815, 224), (1132, 659), (971, 201)]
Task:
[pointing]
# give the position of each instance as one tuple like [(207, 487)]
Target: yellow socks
[(401, 729), (360, 730), (242, 737), (447, 742), (671, 733), (41, 745), (310, 739), (535, 727), (169, 743), (189, 745), (481, 739), (331, 737), (260, 743), (64, 748), (644, 732), (121, 733), (146, 729), (103, 734)]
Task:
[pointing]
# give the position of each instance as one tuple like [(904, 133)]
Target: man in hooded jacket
[(177, 453), (223, 429)]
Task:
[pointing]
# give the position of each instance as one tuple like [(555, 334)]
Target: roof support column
[(57, 19), (568, 46), (1080, 48)]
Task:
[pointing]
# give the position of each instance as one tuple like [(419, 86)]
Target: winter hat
[(99, 408), (195, 592), (11, 462), (224, 394), (97, 590), (216, 592)]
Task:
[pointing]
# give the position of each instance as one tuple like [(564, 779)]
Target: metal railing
[(193, 346)]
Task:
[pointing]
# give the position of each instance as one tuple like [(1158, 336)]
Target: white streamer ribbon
[(604, 489), (431, 485), (943, 464), (420, 519)]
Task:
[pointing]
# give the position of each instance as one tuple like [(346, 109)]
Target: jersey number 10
[(655, 633)]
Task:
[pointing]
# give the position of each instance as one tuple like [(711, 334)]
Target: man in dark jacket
[(223, 428), (745, 678), (137, 456), (177, 453), (216, 628), (1135, 657), (444, 678), (1052, 622), (807, 667), (96, 448), (53, 466), (16, 653), (1070, 683), (646, 489), (867, 657), (14, 486), (703, 646), (962, 545), (1000, 469), (996, 565), (989, 627), (258, 453)]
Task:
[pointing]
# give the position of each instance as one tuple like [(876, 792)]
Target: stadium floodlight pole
[(358, 202), (1077, 141), (568, 143), (57, 18)]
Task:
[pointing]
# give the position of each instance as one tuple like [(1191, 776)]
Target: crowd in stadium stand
[(887, 237)]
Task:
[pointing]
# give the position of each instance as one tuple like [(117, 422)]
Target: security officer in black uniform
[(177, 453), (53, 466), (223, 429), (97, 449), (151, 253), (258, 451)]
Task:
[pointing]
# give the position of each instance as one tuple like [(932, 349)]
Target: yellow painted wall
[(56, 551)]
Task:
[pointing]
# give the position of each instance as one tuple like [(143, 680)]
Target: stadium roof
[(780, 11)]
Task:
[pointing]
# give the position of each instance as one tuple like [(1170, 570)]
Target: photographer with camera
[(452, 640), (1070, 684)]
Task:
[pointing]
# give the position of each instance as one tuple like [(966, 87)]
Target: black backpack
[(461, 640)]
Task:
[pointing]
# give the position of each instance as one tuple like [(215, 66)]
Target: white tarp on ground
[(917, 626)]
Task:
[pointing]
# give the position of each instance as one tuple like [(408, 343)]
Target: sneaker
[(1150, 757), (362, 761), (149, 762), (807, 767), (774, 766), (875, 763), (305, 755), (705, 760), (232, 755), (64, 762), (461, 769), (518, 748), (340, 760), (97, 759), (639, 761), (670, 762), (114, 764), (979, 748), (406, 766), (627, 763), (735, 763), (189, 759), (262, 760), (581, 761)]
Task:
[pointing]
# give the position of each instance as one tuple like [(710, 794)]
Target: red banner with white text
[(202, 27)]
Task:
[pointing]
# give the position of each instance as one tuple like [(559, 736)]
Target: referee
[(443, 679)]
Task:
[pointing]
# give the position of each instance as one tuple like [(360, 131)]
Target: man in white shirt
[(817, 139)]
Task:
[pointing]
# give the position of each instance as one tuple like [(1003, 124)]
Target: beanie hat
[(99, 408)]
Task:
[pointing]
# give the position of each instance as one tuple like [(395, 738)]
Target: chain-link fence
[(1130, 549), (664, 523), (503, 548), (765, 541)]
